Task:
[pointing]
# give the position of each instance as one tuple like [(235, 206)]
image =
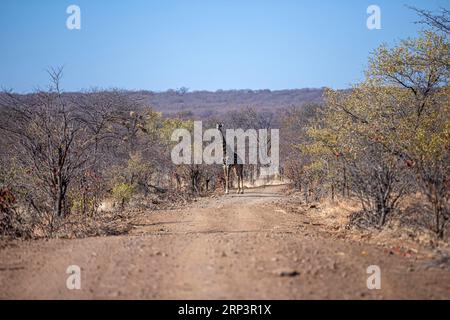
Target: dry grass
[(109, 219), (406, 232)]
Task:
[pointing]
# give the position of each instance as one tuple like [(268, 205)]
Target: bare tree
[(439, 22), (55, 140)]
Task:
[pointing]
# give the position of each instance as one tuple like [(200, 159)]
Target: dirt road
[(232, 247)]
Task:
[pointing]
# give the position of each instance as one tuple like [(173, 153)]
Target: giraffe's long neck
[(224, 143)]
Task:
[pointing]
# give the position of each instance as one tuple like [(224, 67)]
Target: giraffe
[(238, 168)]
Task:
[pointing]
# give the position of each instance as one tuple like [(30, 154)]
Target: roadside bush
[(11, 222), (122, 193)]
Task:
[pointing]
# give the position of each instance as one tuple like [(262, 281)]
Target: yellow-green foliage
[(158, 126), (170, 124), (123, 192), (82, 204), (402, 105), (402, 108)]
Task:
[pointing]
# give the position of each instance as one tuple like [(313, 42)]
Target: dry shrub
[(12, 222)]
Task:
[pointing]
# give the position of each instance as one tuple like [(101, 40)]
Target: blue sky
[(202, 45)]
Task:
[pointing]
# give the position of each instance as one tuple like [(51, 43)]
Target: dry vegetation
[(407, 232), (383, 142), (372, 158), (85, 164)]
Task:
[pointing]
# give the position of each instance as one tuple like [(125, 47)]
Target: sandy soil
[(231, 247)]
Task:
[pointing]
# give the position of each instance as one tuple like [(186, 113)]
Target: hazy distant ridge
[(205, 103)]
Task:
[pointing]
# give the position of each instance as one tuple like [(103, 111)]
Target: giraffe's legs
[(241, 173), (226, 173), (236, 171), (242, 181)]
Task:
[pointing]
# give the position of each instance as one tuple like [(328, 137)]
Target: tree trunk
[(60, 198)]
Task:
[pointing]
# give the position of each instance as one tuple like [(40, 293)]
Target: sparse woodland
[(62, 155), (385, 139), (64, 158)]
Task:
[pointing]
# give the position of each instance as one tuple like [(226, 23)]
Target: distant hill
[(207, 103), (204, 104)]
